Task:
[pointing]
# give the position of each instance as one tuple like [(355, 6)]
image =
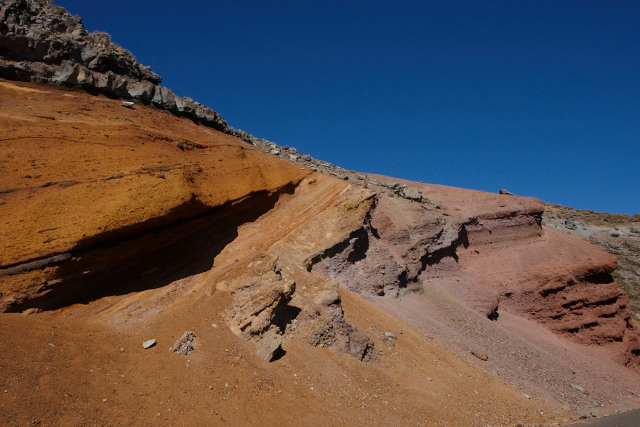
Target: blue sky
[(539, 97)]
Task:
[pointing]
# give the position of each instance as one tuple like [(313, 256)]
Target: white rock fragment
[(579, 388), (149, 343)]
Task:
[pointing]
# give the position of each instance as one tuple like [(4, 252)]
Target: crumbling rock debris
[(329, 329), (269, 347), (259, 313), (262, 313), (578, 387), (410, 193), (186, 344)]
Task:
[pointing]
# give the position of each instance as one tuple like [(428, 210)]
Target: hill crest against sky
[(540, 99)]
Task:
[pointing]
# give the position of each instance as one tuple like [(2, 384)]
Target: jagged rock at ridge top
[(44, 33), (42, 42)]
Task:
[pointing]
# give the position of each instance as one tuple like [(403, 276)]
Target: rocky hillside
[(156, 264), (615, 233)]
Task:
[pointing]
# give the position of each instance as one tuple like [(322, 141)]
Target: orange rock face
[(121, 225), (80, 171)]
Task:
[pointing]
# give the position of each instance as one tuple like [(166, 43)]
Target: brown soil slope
[(122, 225)]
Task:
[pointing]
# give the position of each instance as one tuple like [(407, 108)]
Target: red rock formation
[(510, 262)]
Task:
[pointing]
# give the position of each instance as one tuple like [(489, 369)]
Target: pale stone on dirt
[(149, 343), (185, 344)]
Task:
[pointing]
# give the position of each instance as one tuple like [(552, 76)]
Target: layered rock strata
[(102, 201), (122, 215), (494, 257), (615, 233)]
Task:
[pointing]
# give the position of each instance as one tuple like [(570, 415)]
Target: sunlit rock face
[(138, 222)]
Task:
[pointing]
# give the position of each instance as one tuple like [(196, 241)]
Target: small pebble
[(480, 354), (578, 387), (149, 343)]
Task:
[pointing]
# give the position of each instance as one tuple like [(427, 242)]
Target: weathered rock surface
[(167, 216), (615, 233), (261, 313), (44, 43), (398, 241), (119, 223), (149, 199)]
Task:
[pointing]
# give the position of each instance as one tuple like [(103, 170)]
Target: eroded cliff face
[(124, 217), (109, 206), (615, 233), (108, 202), (493, 254), (117, 221)]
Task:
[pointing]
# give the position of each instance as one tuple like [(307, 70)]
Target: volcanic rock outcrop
[(42, 42), (120, 224)]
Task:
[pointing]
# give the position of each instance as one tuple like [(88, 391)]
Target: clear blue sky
[(539, 97)]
